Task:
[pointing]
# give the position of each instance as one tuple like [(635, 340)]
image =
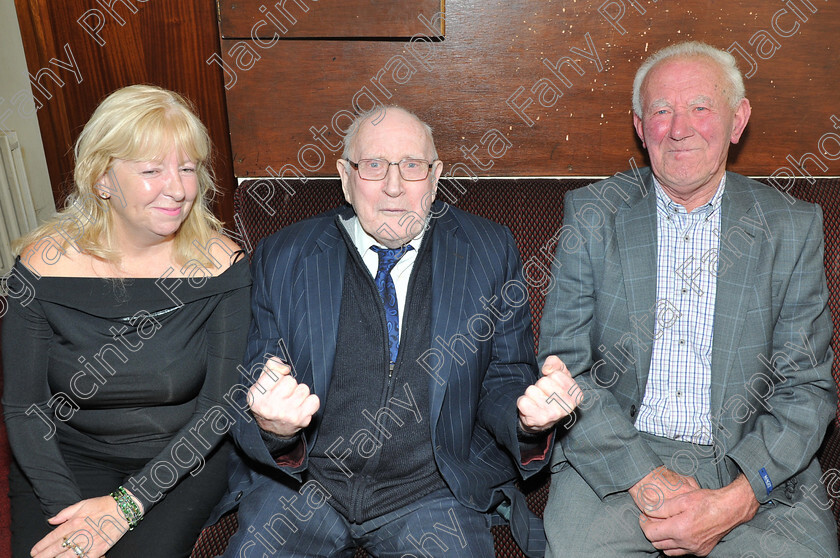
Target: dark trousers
[(280, 520), (169, 529)]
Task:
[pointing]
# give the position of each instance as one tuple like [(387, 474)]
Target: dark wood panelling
[(166, 43), (310, 18), (461, 85)]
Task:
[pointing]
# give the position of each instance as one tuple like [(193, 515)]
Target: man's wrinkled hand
[(280, 404), (694, 522), (553, 397), (659, 486)]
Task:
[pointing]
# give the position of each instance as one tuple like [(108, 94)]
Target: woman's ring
[(77, 550)]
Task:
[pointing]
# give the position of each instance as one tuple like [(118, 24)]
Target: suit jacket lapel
[(450, 265), (323, 277), (740, 242), (635, 227)]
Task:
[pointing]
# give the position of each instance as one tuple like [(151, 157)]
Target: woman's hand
[(93, 526)]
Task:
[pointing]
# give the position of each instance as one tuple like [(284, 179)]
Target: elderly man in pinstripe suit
[(407, 398), (693, 314)]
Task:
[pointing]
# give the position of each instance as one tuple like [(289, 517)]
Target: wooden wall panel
[(165, 42), (464, 86), (244, 19)]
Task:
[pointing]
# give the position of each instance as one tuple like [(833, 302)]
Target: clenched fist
[(280, 404), (553, 397)]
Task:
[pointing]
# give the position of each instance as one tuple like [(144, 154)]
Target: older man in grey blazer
[(690, 306)]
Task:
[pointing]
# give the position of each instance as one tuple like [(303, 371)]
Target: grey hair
[(377, 113), (690, 49)]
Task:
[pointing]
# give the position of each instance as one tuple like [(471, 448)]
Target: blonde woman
[(117, 365)]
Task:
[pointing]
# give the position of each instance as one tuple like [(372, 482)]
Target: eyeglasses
[(376, 169)]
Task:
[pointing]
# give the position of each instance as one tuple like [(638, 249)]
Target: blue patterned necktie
[(388, 258)]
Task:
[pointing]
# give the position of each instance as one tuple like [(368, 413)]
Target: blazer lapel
[(737, 259), (636, 239), (323, 277), (450, 265)]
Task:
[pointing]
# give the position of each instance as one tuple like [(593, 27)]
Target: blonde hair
[(137, 123)]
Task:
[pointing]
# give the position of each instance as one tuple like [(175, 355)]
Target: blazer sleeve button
[(632, 411)]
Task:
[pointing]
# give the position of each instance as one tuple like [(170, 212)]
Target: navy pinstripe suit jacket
[(298, 275)]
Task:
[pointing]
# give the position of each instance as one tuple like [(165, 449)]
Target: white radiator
[(17, 212)]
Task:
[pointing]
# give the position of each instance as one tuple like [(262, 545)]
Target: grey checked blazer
[(771, 305)]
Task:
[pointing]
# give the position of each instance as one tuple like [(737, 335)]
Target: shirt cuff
[(534, 446), (286, 452)]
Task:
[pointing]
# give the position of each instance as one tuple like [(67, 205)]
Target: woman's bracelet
[(129, 508)]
